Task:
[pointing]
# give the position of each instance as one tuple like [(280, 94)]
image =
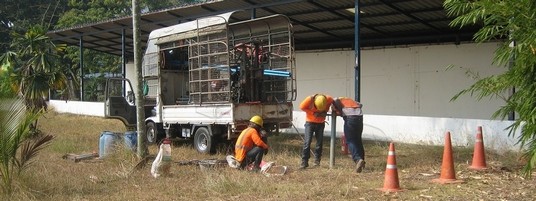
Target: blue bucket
[(107, 143), (131, 140)]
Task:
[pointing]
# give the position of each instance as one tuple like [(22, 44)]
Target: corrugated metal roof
[(317, 24)]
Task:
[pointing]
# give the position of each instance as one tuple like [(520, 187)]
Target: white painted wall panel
[(391, 84), (409, 81)]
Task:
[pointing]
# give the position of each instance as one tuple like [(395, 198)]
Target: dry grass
[(54, 178)]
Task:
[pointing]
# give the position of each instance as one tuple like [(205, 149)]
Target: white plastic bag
[(231, 160), (157, 163), (270, 169)]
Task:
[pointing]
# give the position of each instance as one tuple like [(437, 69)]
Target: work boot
[(317, 163), (303, 166), (360, 165)]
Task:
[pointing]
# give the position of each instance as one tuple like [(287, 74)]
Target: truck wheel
[(153, 133), (203, 141)]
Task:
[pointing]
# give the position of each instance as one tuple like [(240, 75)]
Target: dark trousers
[(253, 156), (353, 129), (316, 130)]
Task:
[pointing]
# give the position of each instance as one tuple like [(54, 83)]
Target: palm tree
[(15, 138), (34, 60)]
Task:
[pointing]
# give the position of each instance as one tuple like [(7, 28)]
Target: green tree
[(511, 22), (18, 15), (17, 145), (34, 59)]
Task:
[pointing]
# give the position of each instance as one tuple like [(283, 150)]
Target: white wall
[(406, 92), (78, 107), (424, 130), (409, 81)]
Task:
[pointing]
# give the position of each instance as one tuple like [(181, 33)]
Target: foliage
[(35, 60), (511, 22), (18, 15), (5, 86), (15, 123)]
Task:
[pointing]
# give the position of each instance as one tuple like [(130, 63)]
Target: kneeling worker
[(352, 115), (250, 146)]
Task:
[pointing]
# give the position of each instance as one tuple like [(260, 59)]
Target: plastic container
[(166, 157), (131, 140), (107, 143)]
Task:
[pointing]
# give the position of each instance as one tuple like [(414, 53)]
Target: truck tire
[(203, 141), (154, 132)]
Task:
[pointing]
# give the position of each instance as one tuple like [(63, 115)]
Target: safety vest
[(311, 113), (347, 106), (249, 138)]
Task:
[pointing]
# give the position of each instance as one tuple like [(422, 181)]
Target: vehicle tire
[(154, 133), (203, 141)]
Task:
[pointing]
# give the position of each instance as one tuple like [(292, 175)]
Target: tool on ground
[(79, 157)]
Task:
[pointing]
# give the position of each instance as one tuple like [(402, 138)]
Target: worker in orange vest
[(352, 115), (251, 145), (315, 108)]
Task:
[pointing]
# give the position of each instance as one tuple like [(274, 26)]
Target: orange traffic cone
[(390, 183), (344, 145), (448, 174), (479, 158)]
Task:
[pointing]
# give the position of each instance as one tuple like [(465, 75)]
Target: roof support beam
[(297, 21), (347, 17)]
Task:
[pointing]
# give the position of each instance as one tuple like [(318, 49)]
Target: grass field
[(53, 178)]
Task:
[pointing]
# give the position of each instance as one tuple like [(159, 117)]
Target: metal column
[(123, 61), (81, 49), (357, 50)]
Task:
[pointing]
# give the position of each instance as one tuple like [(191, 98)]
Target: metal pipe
[(332, 142), (357, 50)]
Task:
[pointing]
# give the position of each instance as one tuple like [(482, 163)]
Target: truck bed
[(226, 113)]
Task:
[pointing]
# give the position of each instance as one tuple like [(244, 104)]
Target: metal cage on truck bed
[(240, 62)]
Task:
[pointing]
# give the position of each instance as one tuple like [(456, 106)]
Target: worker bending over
[(315, 108), (352, 115)]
